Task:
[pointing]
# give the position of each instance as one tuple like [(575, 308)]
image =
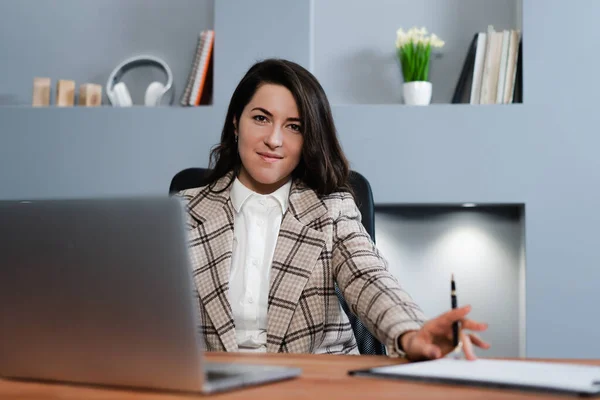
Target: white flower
[(401, 38), (417, 36), (436, 41)]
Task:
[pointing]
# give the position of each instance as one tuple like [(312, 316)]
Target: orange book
[(204, 68)]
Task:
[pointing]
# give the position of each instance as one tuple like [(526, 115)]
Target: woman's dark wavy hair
[(323, 166)]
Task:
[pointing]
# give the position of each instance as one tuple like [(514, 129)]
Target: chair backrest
[(367, 343)]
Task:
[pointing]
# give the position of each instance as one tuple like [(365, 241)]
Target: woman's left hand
[(434, 340)]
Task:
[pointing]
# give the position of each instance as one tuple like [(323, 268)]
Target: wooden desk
[(324, 377)]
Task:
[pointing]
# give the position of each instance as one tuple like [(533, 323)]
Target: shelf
[(85, 41), (358, 65)]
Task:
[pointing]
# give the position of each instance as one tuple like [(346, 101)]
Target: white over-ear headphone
[(117, 92)]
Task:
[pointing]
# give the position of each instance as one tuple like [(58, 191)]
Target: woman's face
[(269, 139)]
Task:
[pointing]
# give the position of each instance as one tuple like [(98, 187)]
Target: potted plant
[(413, 49)]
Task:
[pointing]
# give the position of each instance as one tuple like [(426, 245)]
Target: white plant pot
[(417, 93)]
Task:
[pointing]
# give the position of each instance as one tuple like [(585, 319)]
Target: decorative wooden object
[(90, 95), (65, 93), (41, 92)]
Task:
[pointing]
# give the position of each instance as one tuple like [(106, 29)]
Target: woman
[(277, 228)]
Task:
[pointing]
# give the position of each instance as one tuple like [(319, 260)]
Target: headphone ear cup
[(122, 96), (154, 94)]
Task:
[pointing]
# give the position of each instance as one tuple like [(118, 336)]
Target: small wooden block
[(90, 95), (65, 93), (41, 92)]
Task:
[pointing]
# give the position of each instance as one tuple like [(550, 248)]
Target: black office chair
[(367, 343)]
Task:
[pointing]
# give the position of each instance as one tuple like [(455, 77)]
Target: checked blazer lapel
[(211, 251), (296, 254)]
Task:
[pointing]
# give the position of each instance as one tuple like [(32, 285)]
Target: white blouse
[(256, 227)]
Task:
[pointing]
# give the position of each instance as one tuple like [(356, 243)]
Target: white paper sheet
[(541, 375)]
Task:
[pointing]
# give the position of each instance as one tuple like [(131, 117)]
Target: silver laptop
[(99, 291)]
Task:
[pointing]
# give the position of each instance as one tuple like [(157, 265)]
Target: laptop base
[(225, 376)]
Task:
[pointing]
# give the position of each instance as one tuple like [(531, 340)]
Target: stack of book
[(198, 90), (493, 69)]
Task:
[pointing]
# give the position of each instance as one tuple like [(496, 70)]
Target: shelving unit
[(362, 71)]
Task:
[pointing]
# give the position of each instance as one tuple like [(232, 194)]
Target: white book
[(185, 97), (503, 65), (511, 70), (491, 69), (478, 67), (530, 375)]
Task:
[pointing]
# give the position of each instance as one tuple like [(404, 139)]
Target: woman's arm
[(371, 291)]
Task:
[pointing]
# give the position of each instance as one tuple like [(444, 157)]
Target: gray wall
[(544, 75), (542, 154), (480, 246), (249, 31), (84, 40), (355, 56), (530, 154), (58, 152)]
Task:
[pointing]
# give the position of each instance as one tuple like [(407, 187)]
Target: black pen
[(454, 305)]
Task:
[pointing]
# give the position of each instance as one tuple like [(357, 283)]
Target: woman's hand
[(434, 339)]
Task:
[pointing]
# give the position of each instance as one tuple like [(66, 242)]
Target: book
[(463, 89), (492, 72), (203, 68), (511, 67), (185, 97), (503, 67), (518, 89), (491, 67), (478, 67), (198, 89)]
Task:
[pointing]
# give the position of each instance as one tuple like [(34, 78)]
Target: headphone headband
[(133, 62)]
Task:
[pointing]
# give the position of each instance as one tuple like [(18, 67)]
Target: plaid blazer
[(321, 241)]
